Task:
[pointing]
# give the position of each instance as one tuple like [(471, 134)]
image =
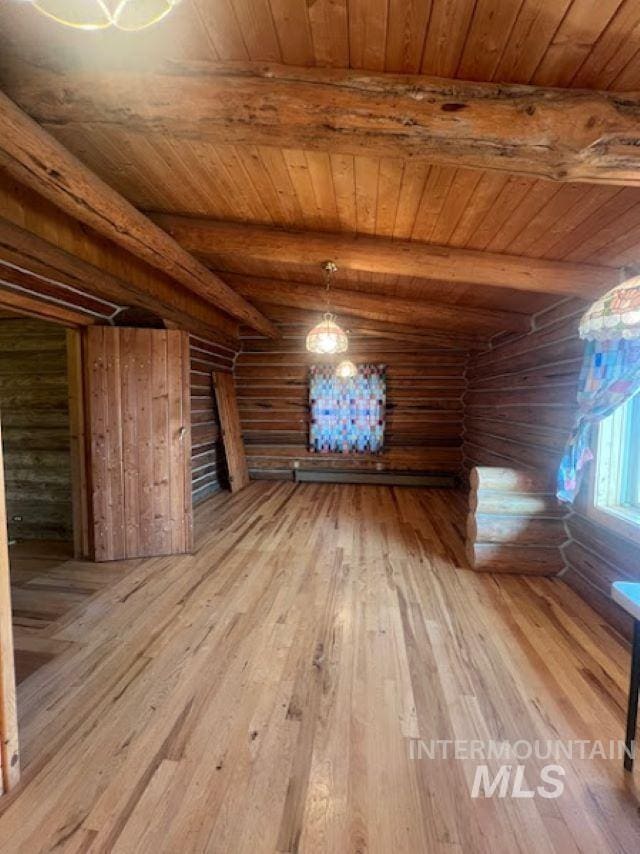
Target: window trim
[(633, 457), (623, 519)]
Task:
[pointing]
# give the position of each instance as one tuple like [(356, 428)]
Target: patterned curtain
[(610, 375), (347, 415)]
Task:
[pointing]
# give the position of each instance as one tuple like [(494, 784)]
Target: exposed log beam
[(25, 251), (285, 316), (32, 156), (379, 308), (560, 134), (207, 237)]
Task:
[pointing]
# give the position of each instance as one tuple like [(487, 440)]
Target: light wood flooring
[(261, 695), (46, 585)]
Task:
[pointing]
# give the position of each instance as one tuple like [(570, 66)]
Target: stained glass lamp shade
[(346, 370), (102, 14), (327, 337), (614, 316)]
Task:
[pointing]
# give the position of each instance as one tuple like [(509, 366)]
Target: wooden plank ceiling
[(565, 43)]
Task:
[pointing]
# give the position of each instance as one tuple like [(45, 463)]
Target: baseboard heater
[(381, 478)]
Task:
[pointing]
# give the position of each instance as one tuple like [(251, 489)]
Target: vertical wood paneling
[(488, 36), (179, 443), (258, 29), (574, 40), (78, 446), (162, 431), (448, 28), (407, 27), (139, 426), (117, 515), (330, 32), (131, 471), (294, 31), (367, 33)]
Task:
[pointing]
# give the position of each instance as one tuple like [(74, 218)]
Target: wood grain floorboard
[(47, 586), (262, 694)]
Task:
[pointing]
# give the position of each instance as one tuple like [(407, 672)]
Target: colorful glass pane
[(347, 414)]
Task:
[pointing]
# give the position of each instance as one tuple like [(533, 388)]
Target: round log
[(517, 560), (515, 504), (510, 480), (521, 530)]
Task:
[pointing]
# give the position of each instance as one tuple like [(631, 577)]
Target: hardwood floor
[(46, 585), (263, 694)]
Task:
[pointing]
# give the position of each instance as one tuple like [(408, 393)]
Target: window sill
[(622, 520)]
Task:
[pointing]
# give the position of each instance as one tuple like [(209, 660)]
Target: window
[(347, 415), (617, 478)]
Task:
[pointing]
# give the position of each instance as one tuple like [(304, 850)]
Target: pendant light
[(615, 315), (327, 338), (346, 370), (129, 15)]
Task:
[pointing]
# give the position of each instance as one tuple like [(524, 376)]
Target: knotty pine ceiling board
[(588, 43), (546, 42), (388, 197)]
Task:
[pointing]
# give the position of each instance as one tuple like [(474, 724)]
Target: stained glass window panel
[(347, 414)]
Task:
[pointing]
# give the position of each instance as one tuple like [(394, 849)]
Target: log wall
[(424, 401), (34, 409), (519, 407)]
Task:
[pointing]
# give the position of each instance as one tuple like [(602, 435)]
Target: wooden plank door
[(9, 754), (231, 432), (139, 429)]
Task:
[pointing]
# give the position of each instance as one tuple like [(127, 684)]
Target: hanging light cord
[(328, 269)]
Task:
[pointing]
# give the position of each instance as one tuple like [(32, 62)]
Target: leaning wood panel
[(224, 385), (9, 751), (208, 465)]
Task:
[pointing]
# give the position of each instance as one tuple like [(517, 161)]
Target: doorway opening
[(36, 439)]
